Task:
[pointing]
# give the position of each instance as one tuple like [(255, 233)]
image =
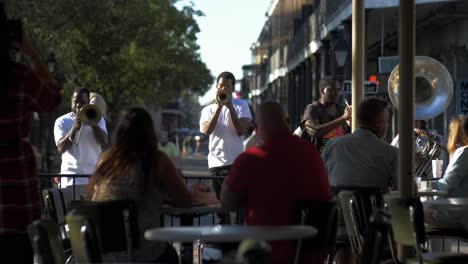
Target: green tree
[(130, 51)]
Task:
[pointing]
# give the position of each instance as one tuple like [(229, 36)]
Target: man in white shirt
[(224, 121), (363, 159), (79, 153)]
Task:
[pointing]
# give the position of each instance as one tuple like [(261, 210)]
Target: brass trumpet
[(90, 115), (223, 97)]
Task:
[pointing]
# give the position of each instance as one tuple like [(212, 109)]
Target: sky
[(227, 31)]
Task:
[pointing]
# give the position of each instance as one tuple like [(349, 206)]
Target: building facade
[(304, 40)]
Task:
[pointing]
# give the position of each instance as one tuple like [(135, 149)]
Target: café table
[(223, 234), (448, 212), (187, 216), (448, 218), (426, 192)]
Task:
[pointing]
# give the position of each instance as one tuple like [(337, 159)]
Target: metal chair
[(56, 211), (407, 221), (46, 242), (84, 239), (111, 225), (322, 215), (55, 205)]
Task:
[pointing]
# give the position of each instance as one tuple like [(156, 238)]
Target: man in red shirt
[(270, 179)]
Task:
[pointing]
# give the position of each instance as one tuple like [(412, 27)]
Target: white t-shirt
[(225, 145), (80, 158)]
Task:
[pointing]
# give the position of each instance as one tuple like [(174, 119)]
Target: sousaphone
[(433, 91)]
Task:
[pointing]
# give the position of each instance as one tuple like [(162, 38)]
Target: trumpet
[(90, 115), (223, 97)]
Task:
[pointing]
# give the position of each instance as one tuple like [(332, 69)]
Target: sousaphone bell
[(433, 91)]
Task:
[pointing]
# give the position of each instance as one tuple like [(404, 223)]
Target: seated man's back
[(363, 159), (271, 179)]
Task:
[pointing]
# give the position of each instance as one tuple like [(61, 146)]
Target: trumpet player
[(224, 122), (79, 144)]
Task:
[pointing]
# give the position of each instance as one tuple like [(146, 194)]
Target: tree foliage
[(130, 51)]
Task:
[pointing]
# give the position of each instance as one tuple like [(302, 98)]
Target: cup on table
[(418, 182), (437, 168)]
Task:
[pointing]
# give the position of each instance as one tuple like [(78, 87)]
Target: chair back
[(116, 223), (357, 204), (46, 241), (54, 204), (322, 215), (407, 222), (84, 239), (377, 237)]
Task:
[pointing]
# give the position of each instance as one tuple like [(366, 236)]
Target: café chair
[(56, 211), (252, 251), (112, 225), (407, 222), (55, 206), (378, 240), (322, 215), (46, 242), (357, 204), (84, 239)]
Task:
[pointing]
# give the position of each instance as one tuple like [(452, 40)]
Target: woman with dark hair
[(133, 168), (23, 90), (455, 179)]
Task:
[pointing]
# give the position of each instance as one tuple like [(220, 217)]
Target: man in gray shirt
[(363, 159)]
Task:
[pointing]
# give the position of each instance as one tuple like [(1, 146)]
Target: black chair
[(84, 239), (357, 204), (56, 211), (46, 242), (322, 215), (378, 240), (407, 218), (113, 224), (55, 205)]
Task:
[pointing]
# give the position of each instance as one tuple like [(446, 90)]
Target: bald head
[(271, 119)]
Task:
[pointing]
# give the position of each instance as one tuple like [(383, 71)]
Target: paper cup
[(437, 168)]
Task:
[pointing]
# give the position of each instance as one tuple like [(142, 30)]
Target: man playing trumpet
[(225, 122), (79, 142)]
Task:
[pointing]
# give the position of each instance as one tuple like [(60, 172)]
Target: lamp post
[(51, 62), (73, 75), (341, 53)]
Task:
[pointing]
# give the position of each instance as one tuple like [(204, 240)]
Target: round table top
[(222, 233), (459, 202), (194, 210), (432, 192)]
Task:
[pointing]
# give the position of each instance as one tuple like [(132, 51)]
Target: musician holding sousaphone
[(433, 93), (79, 136)]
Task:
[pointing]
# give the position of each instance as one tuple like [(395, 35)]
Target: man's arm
[(209, 126), (315, 129), (66, 142), (230, 199), (240, 124), (100, 135)]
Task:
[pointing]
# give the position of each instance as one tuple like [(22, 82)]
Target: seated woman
[(455, 179), (133, 168)]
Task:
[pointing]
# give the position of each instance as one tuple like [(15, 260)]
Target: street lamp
[(73, 75), (51, 62), (17, 56), (341, 52)]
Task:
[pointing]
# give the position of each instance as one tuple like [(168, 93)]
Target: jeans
[(221, 172)]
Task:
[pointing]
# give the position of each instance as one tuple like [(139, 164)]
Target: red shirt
[(19, 194), (273, 178)]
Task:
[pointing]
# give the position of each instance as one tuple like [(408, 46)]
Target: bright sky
[(228, 29)]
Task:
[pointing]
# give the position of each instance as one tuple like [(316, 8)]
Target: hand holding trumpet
[(223, 97)]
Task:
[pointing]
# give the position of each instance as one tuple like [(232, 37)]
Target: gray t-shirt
[(361, 159)]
